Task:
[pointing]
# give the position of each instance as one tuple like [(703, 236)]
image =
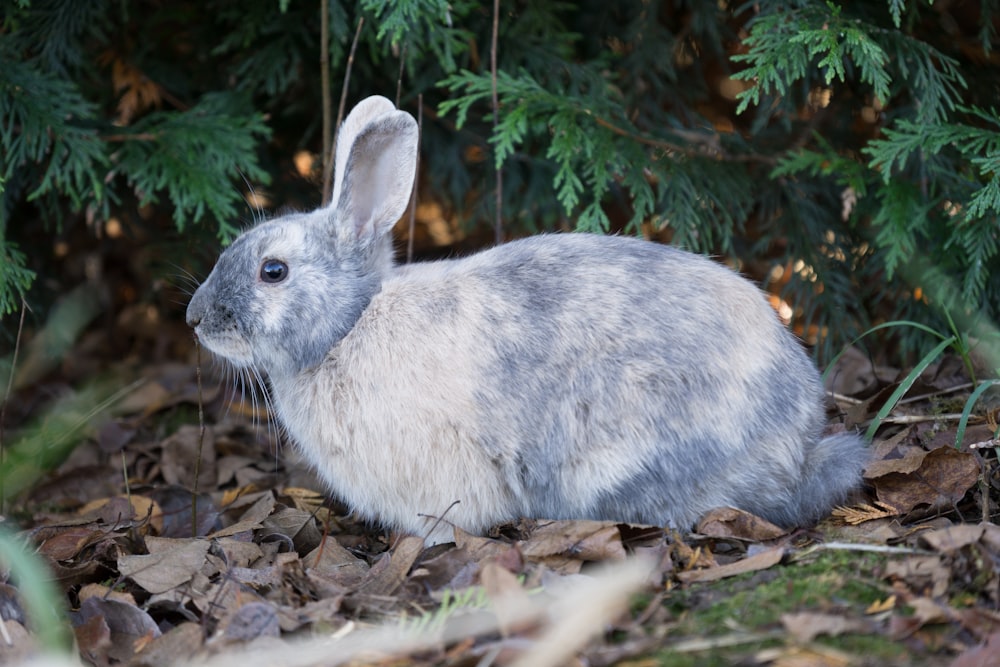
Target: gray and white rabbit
[(564, 376)]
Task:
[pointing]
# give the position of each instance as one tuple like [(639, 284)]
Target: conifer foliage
[(850, 151)]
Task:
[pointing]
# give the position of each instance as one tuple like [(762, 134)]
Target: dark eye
[(273, 271)]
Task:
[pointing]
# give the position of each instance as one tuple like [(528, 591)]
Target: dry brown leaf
[(922, 574), (927, 610), (104, 592), (252, 519), (175, 647), (127, 625), (806, 626), (729, 522), (577, 540), (333, 562), (688, 557), (980, 622), (93, 637), (179, 457), (298, 525), (911, 458), (226, 471), (18, 646), (804, 656), (940, 477), (986, 654), (863, 512), (147, 398), (951, 539), (253, 620), (508, 596), (64, 543), (304, 499), (174, 563), (125, 509), (239, 553), (479, 548), (881, 606), (759, 561), (390, 570)]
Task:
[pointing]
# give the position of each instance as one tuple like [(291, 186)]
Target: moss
[(835, 582)]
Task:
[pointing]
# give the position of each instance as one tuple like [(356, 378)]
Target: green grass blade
[(967, 411), (905, 385), (884, 325), (43, 603)]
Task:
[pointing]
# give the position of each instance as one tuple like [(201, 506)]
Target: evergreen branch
[(193, 156)]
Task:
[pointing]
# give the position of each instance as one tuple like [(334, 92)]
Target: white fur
[(562, 376)]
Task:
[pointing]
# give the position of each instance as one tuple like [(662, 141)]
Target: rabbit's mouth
[(235, 349)]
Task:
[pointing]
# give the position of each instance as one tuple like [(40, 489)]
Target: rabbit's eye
[(273, 271)]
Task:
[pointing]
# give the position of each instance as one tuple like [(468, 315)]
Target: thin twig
[(498, 224), (329, 149), (324, 75), (3, 406), (201, 439), (920, 419), (416, 178), (937, 392), (140, 136), (399, 79)]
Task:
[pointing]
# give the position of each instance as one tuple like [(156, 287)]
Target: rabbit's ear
[(366, 111), (375, 165)]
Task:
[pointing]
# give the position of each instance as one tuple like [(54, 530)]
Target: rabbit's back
[(566, 376)]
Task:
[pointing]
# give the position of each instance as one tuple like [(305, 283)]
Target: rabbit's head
[(283, 294)]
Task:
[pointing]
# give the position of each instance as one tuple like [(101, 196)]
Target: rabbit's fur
[(560, 376)]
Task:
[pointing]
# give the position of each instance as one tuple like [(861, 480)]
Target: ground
[(105, 451)]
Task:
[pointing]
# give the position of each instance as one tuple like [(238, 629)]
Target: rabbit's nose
[(193, 317)]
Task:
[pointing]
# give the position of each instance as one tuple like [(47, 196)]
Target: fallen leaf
[(909, 460), (175, 503), (93, 637), (66, 543), (507, 595), (174, 647), (940, 477), (252, 518), (759, 561), (390, 570), (146, 399), (986, 654), (173, 563), (478, 547), (881, 606), (105, 593), (335, 563), (298, 525), (179, 458), (578, 540), (238, 553), (253, 620), (126, 625), (925, 575), (113, 435), (729, 522), (953, 538)]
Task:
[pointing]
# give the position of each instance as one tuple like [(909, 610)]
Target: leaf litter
[(251, 558)]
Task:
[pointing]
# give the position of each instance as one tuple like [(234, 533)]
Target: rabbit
[(561, 376)]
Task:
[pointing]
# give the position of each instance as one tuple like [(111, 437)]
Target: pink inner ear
[(379, 176)]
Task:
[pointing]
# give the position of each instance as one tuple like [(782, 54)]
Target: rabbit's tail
[(832, 472)]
